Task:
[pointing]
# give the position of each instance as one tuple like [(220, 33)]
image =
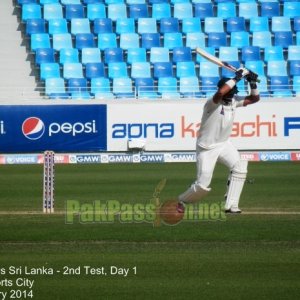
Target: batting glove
[(241, 73), (251, 77)]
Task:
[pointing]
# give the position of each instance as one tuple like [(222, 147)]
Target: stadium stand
[(154, 41)]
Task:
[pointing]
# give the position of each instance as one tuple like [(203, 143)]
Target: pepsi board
[(36, 128)]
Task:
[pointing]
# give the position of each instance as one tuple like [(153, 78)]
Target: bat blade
[(217, 61)]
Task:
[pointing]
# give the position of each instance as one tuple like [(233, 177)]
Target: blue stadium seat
[(296, 24), (169, 25), (90, 55), (291, 9), (209, 85), (136, 55), (283, 39), (183, 10), (94, 70), (273, 53), (146, 25), (191, 25), (280, 87), (122, 87), (182, 54), (117, 69), (117, 11), (103, 25), (281, 24), (77, 87), (263, 86), (44, 55), (162, 69), (239, 39), (262, 39), (293, 52), (96, 11), (140, 70), (172, 39), (80, 26), (213, 24), (48, 1), (159, 54), (229, 54), (294, 67), (277, 68), (72, 70), (195, 39), (217, 39), (189, 87), (22, 2), (200, 58), (150, 40), (35, 26), (161, 10), (107, 2), (113, 55), (298, 38), (256, 66), (49, 70), (57, 26), (167, 87), (129, 40), (55, 88), (100, 87), (259, 24), (296, 85), (39, 40), (235, 24), (68, 2), (61, 40), (74, 11), (84, 40), (31, 11), (138, 11), (228, 73), (134, 1), (125, 25), (145, 88), (185, 69), (203, 10), (208, 69), (226, 9), (53, 11), (269, 9), (68, 55), (107, 40), (248, 10)]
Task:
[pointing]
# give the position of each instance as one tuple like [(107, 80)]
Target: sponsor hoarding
[(267, 125), (36, 128)]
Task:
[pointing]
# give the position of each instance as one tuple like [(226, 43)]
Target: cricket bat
[(217, 61)]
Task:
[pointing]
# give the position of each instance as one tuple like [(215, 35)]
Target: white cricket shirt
[(216, 123)]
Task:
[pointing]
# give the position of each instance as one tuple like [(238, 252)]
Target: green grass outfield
[(255, 255)]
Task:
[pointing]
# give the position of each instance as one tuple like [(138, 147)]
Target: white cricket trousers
[(206, 160)]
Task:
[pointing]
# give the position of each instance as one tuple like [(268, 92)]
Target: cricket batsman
[(213, 144)]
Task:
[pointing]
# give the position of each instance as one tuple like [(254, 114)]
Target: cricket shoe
[(233, 210), (180, 207)]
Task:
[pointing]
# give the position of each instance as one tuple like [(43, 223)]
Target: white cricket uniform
[(213, 141)]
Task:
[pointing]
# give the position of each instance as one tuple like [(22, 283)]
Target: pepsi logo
[(33, 128)]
